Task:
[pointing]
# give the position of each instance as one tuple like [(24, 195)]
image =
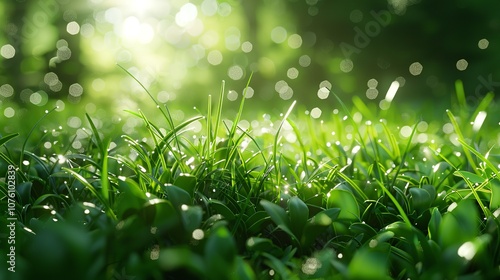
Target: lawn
[(357, 192)]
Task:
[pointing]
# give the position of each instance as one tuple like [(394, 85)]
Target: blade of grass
[(461, 138), (470, 184), (23, 148), (393, 183), (7, 138), (166, 113), (218, 118), (103, 148), (276, 140), (354, 124), (231, 144), (459, 89), (93, 190)]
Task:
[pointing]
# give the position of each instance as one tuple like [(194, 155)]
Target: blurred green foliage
[(65, 52)]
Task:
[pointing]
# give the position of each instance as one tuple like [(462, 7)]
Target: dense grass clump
[(362, 194)]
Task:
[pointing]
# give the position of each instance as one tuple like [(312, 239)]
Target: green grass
[(360, 194)]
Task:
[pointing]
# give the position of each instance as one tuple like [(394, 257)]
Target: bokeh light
[(483, 44), (7, 51), (462, 64), (416, 68)]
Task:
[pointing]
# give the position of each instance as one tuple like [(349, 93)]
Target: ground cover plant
[(363, 194)]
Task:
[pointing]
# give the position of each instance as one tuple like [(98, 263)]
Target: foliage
[(380, 202)]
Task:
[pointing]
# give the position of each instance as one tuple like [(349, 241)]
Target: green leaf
[(298, 213), (471, 177), (127, 185), (421, 199), (24, 191), (431, 190), (182, 257), (346, 202), (256, 222), (495, 195), (127, 204), (259, 244), (191, 217), (364, 229), (243, 271), (220, 208), (186, 182), (279, 267), (332, 213), (279, 217), (383, 237), (220, 253), (160, 211), (370, 263), (177, 196), (92, 189), (7, 138), (460, 224), (434, 224), (317, 225)]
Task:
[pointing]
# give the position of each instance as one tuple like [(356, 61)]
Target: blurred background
[(66, 53)]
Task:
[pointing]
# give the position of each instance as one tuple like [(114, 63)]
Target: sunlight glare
[(186, 15), (467, 250), (392, 91), (133, 29), (478, 122)]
